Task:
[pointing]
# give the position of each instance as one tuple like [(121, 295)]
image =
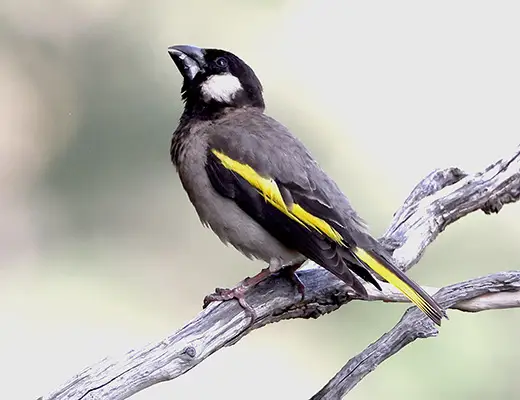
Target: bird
[(257, 186)]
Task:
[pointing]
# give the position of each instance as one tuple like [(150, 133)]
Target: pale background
[(101, 252)]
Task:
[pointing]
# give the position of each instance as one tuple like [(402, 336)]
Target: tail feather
[(342, 270), (363, 273), (401, 281)]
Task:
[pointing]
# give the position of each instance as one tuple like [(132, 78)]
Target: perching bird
[(259, 189)]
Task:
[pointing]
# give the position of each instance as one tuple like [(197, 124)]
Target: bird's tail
[(384, 266)]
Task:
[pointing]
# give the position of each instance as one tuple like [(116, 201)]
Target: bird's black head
[(215, 80)]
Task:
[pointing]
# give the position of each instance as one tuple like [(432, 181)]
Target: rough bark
[(415, 325)]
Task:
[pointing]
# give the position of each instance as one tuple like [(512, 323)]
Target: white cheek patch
[(221, 88)]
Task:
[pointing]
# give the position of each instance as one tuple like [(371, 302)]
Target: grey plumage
[(231, 224), (273, 151)]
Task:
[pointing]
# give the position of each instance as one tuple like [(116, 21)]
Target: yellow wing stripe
[(390, 276), (271, 192), (317, 223), (266, 186)]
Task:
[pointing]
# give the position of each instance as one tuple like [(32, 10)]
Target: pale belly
[(225, 218)]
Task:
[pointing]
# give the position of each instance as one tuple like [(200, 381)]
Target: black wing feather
[(312, 244)]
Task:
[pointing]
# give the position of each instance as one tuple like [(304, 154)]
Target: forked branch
[(440, 199)]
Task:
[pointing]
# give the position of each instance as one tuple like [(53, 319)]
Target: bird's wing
[(271, 176)]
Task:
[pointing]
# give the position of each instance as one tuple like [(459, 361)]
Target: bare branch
[(443, 197), (414, 325), (489, 301)]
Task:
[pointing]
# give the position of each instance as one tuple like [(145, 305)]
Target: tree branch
[(490, 301), (414, 325), (440, 199)]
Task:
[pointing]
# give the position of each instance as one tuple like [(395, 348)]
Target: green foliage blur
[(101, 252)]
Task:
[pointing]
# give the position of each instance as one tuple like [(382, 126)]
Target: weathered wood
[(443, 197), (414, 325)]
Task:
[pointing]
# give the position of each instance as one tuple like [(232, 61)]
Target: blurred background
[(100, 250)]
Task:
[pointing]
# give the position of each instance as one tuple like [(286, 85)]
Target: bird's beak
[(188, 59)]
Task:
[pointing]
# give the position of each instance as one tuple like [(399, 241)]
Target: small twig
[(488, 301)]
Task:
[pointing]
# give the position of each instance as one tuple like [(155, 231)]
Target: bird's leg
[(238, 293), (290, 273)]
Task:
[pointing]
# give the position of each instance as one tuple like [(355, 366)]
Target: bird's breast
[(231, 224)]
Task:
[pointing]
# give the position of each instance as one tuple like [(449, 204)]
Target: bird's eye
[(221, 62)]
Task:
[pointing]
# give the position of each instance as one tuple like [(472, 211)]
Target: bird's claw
[(237, 293)]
